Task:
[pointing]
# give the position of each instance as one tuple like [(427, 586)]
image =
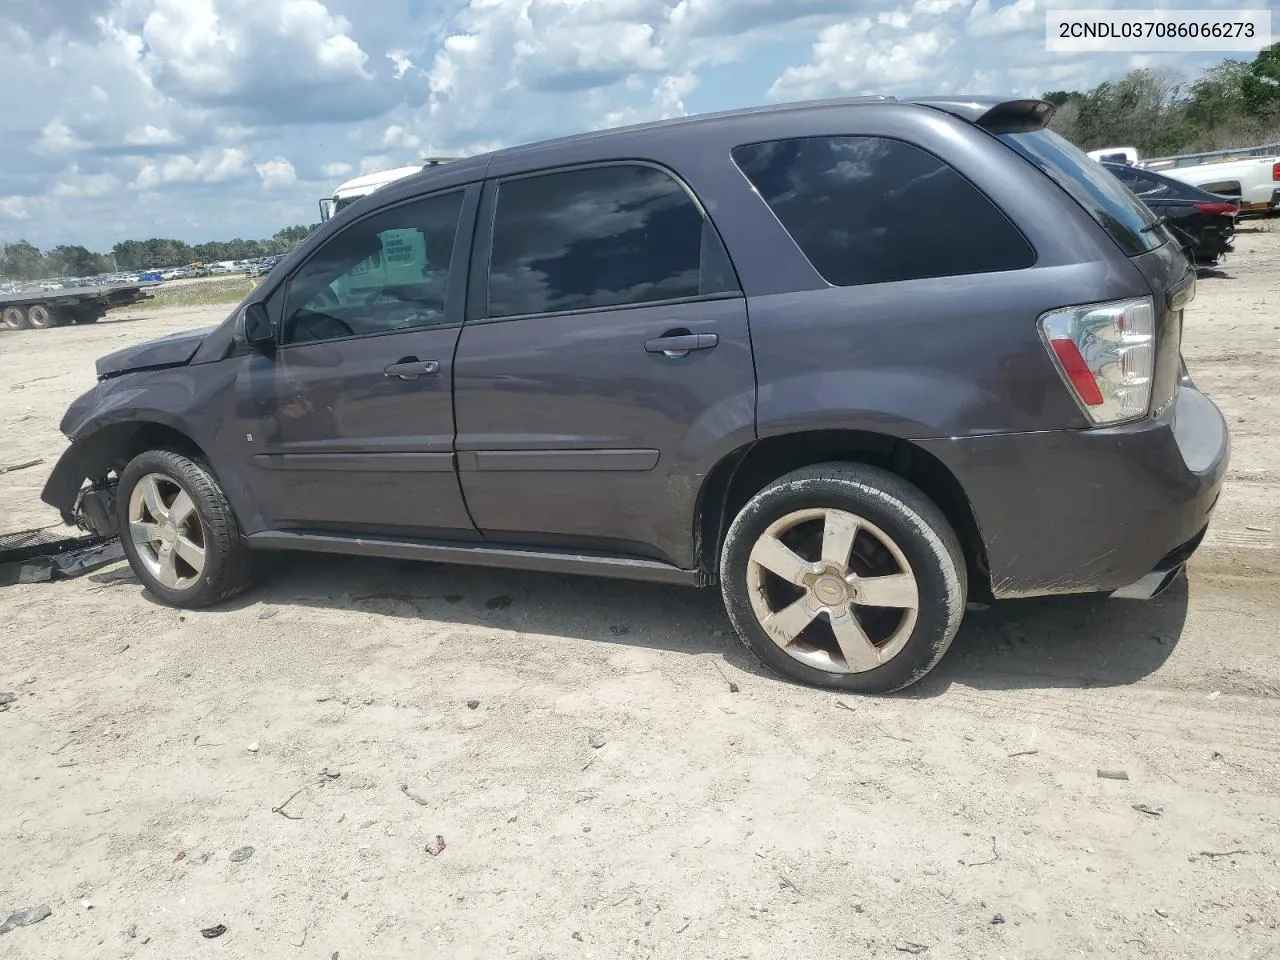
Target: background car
[(1203, 222)]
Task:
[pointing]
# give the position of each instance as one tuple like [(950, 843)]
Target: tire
[(41, 317), (15, 318), (888, 530), (159, 545)]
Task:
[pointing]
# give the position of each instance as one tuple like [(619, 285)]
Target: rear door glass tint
[(873, 210), (608, 236)]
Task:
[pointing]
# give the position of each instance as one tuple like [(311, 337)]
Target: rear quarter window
[(873, 210), (1127, 219)]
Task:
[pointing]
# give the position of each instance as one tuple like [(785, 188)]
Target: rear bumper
[(1086, 511)]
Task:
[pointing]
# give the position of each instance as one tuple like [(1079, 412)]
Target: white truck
[(1250, 173), (352, 190)]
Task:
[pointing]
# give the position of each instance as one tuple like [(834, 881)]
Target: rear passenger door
[(604, 358)]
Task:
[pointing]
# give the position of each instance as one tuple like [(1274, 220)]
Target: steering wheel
[(322, 299)]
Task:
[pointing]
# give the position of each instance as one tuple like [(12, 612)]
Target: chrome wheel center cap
[(168, 535), (831, 591)]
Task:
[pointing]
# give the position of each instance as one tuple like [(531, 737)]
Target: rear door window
[(596, 237), (873, 210), (1127, 219)]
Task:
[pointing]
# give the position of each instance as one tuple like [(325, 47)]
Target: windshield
[(1127, 219)]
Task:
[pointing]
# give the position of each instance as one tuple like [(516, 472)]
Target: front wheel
[(178, 530), (844, 576)]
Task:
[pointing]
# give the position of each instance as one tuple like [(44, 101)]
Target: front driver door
[(354, 412)]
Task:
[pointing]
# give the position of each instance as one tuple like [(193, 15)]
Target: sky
[(214, 119)]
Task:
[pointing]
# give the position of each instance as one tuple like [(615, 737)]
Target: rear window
[(873, 210), (1127, 219)]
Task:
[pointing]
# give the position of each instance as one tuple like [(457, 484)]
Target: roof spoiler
[(994, 115)]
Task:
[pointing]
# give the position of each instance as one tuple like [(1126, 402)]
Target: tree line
[(24, 261), (1233, 104)]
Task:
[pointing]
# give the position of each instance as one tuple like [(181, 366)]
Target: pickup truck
[(1251, 174), (1255, 180)]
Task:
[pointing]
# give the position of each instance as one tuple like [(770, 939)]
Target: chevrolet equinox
[(854, 361)]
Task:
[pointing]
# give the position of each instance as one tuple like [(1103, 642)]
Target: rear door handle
[(681, 344), (411, 368)]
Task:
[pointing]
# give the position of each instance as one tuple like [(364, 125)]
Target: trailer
[(40, 308)]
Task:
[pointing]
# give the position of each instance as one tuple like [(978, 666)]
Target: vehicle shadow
[(1212, 273), (1064, 642), (1061, 642)]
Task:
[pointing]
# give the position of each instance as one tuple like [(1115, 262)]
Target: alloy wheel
[(832, 590), (166, 529)]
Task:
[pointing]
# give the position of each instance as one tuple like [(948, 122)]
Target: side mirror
[(256, 328)]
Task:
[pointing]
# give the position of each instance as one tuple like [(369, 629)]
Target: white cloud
[(400, 60), (291, 59), (76, 184), (150, 136), (14, 208), (935, 7), (232, 163), (396, 137), (375, 162), (858, 58), (277, 173), (986, 21), (336, 169), (57, 137), (215, 166)]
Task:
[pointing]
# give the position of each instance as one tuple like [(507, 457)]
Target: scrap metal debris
[(404, 788), (36, 556), (1149, 811), (210, 933), (1112, 775), (21, 466), (25, 918), (435, 847)]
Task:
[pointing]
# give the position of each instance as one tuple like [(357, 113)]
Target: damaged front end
[(95, 508)]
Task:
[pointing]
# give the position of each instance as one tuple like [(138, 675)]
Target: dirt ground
[(600, 790)]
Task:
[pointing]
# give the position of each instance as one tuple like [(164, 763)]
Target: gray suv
[(855, 362)]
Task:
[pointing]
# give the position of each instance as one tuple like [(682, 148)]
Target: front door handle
[(411, 368), (680, 343)]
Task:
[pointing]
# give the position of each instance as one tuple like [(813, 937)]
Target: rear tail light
[(1105, 353), (1227, 209), (1275, 171)]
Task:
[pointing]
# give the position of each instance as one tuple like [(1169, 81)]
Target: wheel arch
[(108, 449), (741, 474)]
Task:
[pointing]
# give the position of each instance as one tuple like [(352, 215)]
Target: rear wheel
[(15, 318), (844, 576), (41, 317), (179, 532)]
